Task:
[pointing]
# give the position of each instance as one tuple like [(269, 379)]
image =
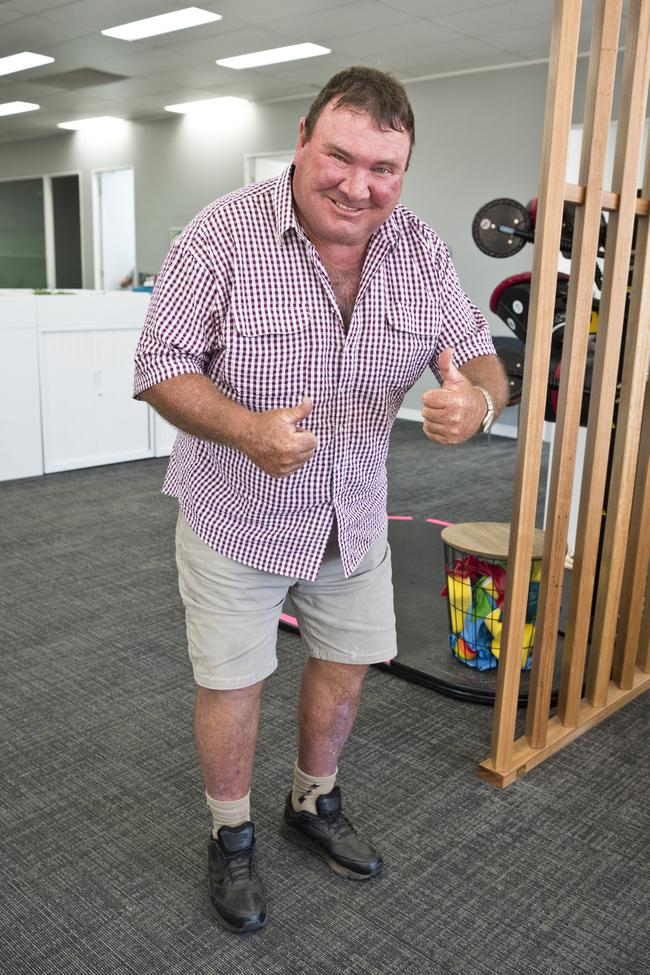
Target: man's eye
[(383, 170), (337, 155)]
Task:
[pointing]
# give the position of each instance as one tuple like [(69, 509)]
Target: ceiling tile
[(98, 14), (432, 9), (348, 17), (35, 34), (516, 14), (372, 43)]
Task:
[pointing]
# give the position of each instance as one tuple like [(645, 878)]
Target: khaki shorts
[(232, 611)]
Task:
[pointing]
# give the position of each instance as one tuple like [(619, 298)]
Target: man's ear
[(302, 134)]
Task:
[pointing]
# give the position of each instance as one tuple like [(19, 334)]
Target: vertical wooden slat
[(643, 658), (600, 89), (559, 102), (636, 567), (610, 323)]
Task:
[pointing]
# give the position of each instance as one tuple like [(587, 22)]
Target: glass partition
[(22, 234)]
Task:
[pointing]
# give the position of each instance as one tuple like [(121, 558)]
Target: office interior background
[(551, 877)]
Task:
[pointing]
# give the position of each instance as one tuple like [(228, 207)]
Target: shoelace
[(339, 824), (240, 866)]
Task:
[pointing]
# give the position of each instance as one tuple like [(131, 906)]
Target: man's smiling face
[(348, 176)]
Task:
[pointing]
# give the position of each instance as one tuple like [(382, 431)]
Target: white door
[(114, 223)]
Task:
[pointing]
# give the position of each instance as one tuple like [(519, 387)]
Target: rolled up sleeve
[(179, 330), (464, 327)]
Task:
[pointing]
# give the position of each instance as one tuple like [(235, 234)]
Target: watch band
[(489, 417)]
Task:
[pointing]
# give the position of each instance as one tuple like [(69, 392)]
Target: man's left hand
[(454, 412)]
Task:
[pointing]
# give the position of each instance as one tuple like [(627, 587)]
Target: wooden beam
[(559, 103), (575, 193), (525, 758), (600, 90)]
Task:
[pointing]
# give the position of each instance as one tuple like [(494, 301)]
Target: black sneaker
[(332, 837), (236, 891)]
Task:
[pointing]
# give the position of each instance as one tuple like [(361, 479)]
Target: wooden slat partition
[(619, 542), (545, 735), (634, 96), (600, 92), (559, 101)]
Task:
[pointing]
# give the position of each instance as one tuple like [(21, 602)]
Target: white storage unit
[(66, 377), (21, 453), (87, 343)]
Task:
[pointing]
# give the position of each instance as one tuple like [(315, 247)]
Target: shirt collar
[(285, 217)]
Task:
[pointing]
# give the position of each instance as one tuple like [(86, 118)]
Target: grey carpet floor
[(102, 821)]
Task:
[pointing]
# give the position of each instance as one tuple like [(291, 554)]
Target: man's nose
[(355, 184)]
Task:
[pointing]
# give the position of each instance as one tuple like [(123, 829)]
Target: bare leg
[(226, 725), (329, 699)]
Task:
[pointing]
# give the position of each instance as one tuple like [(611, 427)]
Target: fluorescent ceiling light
[(20, 62), (207, 105), (163, 24), (99, 122), (274, 56), (14, 108)]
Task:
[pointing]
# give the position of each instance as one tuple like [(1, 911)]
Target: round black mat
[(424, 655)]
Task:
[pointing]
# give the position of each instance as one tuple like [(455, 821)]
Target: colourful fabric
[(475, 592), (244, 298)]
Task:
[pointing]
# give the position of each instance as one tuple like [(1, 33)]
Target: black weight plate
[(503, 212)]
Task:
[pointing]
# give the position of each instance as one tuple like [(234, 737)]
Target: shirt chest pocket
[(262, 356), (273, 324), (410, 344)]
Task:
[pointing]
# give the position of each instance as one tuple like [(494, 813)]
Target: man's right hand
[(274, 441)]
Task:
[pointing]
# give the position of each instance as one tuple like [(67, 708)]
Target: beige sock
[(232, 813), (307, 788)]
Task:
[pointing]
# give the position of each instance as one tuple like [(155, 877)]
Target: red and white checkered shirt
[(244, 298)]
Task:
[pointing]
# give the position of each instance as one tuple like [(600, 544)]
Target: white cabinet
[(21, 452), (86, 363), (66, 379)]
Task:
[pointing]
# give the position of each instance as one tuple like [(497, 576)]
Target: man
[(288, 322)]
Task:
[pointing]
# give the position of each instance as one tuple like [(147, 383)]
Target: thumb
[(448, 371), (294, 414)]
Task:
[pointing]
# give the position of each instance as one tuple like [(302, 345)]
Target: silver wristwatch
[(488, 420)]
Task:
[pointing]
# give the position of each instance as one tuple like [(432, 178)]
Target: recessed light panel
[(163, 24), (14, 108), (99, 122), (295, 52), (207, 105), (20, 62)]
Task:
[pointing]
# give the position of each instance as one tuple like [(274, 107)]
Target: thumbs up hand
[(274, 441), (454, 412)]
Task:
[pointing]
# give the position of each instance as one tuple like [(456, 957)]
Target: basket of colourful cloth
[(476, 571)]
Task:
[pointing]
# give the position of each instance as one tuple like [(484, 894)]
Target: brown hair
[(378, 93)]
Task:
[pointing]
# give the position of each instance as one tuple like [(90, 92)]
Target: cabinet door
[(89, 416), (21, 450)]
